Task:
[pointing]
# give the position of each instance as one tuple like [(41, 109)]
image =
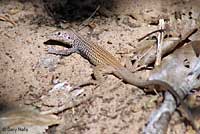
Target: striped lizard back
[(94, 53)]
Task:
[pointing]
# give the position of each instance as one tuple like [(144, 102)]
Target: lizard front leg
[(99, 74), (65, 52), (101, 70)]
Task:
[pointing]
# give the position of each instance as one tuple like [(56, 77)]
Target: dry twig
[(160, 43), (5, 18), (85, 22), (160, 30)]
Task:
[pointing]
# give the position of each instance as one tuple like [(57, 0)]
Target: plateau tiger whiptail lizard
[(101, 58)]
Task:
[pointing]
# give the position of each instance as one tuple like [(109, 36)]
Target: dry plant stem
[(169, 104), (4, 18), (138, 68), (142, 38), (168, 47), (160, 43)]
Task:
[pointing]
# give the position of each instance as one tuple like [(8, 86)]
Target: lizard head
[(65, 36)]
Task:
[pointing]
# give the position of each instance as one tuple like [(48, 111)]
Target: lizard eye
[(68, 37), (58, 33)]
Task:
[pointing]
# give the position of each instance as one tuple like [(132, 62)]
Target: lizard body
[(98, 56)]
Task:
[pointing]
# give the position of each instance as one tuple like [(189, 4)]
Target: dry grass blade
[(85, 23)]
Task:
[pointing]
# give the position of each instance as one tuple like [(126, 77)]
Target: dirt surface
[(28, 72)]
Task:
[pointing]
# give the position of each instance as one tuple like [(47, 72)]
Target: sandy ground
[(27, 71)]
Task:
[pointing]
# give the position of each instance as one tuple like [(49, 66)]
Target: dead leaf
[(175, 67), (23, 120)]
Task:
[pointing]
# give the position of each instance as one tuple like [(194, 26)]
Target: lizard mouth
[(55, 42)]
